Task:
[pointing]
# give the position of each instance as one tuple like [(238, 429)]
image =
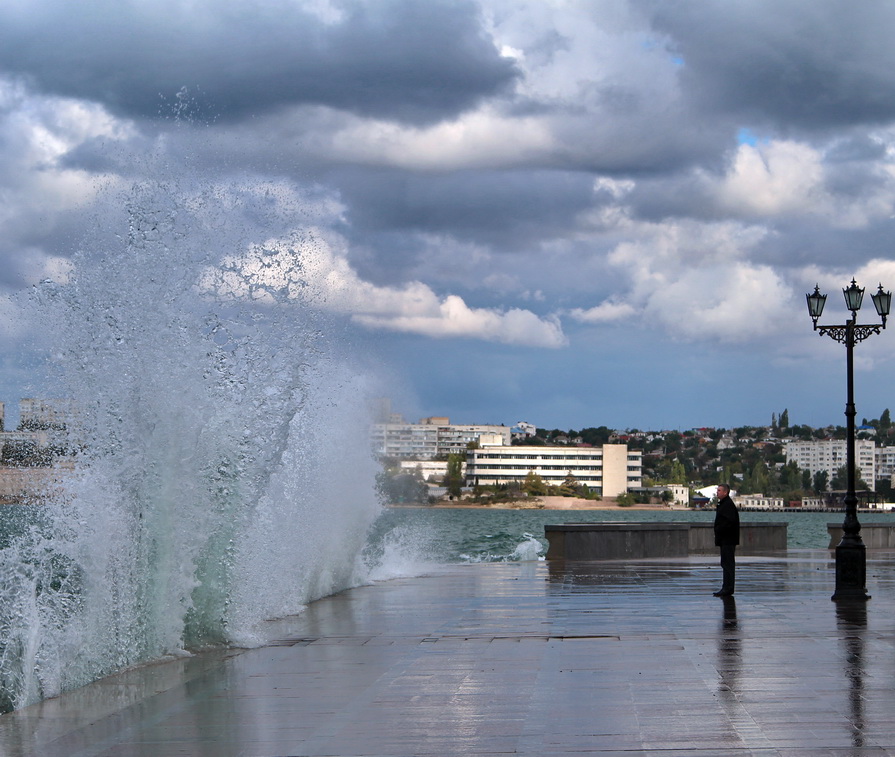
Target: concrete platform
[(522, 658)]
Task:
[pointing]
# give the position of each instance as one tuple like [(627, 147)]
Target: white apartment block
[(40, 413), (610, 469), (829, 455), (885, 463), (429, 438)]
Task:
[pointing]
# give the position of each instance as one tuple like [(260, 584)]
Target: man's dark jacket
[(727, 523)]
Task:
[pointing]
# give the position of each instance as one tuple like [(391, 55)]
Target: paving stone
[(539, 659)]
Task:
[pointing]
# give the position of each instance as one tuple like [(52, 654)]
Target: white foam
[(225, 476)]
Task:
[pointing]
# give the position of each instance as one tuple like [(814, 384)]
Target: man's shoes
[(723, 593)]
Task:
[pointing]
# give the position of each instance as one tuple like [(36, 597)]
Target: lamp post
[(851, 556)]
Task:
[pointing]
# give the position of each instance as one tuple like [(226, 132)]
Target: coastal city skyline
[(579, 214)]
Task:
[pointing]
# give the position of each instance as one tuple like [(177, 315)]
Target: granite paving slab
[(533, 658)]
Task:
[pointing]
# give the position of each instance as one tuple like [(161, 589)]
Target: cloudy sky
[(604, 212)]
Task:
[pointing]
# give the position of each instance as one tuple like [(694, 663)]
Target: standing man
[(727, 536)]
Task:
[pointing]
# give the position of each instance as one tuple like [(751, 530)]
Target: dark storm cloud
[(504, 208), (785, 63), (415, 61), (838, 249)]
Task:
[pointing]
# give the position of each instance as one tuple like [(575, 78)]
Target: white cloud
[(618, 188), (605, 312), (731, 303), (478, 139), (454, 318), (313, 269), (37, 134), (695, 281), (775, 178)]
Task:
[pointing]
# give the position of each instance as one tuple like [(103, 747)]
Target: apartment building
[(46, 414), (829, 455), (429, 438), (610, 470), (885, 463)]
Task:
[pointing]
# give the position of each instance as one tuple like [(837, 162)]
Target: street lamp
[(851, 556)]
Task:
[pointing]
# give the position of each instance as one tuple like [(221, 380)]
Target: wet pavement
[(521, 658)]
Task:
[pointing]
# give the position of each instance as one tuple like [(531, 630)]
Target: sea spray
[(216, 417)]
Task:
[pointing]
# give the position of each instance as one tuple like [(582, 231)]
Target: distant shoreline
[(542, 503)]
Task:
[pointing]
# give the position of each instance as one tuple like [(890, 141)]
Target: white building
[(885, 463), (829, 455), (710, 492), (760, 502), (524, 430), (429, 470), (429, 438), (680, 494), (610, 470), (46, 414)]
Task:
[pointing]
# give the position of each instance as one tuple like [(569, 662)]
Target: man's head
[(723, 491)]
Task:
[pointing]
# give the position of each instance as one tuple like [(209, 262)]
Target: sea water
[(409, 538), (216, 410)]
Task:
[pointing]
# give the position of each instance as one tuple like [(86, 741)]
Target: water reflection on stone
[(851, 620), (730, 658)]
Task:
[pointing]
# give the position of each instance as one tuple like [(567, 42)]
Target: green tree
[(626, 499), (672, 441), (26, 454), (784, 419), (821, 481), (840, 480), (534, 485), (802, 432), (678, 472), (790, 477), (759, 479), (885, 424), (397, 486), (570, 486), (453, 479), (596, 436)]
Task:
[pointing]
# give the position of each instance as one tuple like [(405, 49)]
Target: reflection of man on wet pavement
[(727, 536), (730, 661)]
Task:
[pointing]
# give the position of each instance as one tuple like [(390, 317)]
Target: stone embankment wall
[(616, 541), (874, 535)]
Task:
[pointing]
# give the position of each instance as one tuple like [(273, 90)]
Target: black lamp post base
[(851, 571)]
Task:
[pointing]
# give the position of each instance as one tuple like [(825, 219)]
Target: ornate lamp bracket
[(840, 333)]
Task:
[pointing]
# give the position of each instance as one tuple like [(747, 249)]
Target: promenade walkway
[(521, 659)]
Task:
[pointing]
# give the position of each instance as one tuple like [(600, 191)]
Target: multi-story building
[(610, 470), (885, 463), (829, 455), (46, 414), (429, 438)]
